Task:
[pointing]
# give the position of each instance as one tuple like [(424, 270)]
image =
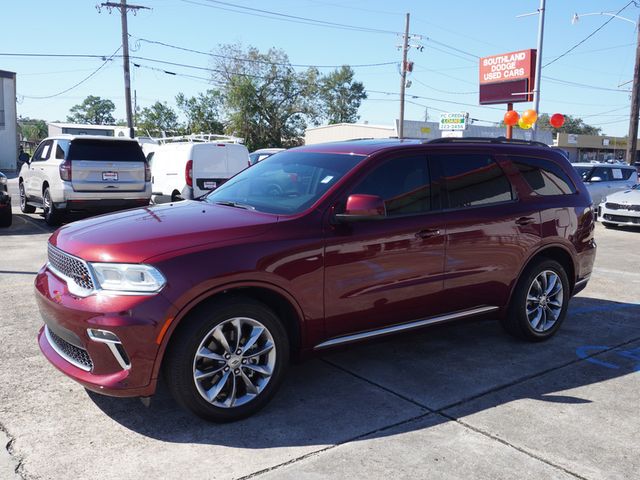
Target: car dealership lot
[(459, 401)]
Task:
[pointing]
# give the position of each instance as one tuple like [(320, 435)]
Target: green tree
[(159, 118), (341, 96), (93, 110), (266, 101), (202, 112), (32, 129)]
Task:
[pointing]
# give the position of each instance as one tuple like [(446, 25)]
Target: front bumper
[(619, 214), (64, 340)]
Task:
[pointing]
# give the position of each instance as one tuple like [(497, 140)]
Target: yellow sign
[(425, 130)]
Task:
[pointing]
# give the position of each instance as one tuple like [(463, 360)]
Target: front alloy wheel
[(234, 362), (227, 359), (544, 301)]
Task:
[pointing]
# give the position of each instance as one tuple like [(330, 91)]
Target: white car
[(603, 179), (263, 153), (84, 173), (621, 209)]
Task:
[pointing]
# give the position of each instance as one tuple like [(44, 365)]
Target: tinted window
[(43, 152), (473, 179), (584, 172), (544, 177), (620, 174), (403, 184), (603, 172), (62, 148), (105, 150), (287, 183)]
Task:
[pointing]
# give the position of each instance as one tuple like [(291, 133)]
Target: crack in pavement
[(441, 412), (18, 459)]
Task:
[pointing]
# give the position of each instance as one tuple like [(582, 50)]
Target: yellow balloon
[(524, 125)]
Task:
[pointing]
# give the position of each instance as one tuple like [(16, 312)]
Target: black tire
[(52, 215), (609, 225), (517, 321), (180, 361), (24, 207), (6, 218)]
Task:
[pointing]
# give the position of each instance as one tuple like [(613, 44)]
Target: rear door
[(106, 165), (209, 167), (489, 231)]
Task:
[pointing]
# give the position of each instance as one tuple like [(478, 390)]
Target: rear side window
[(621, 174), (544, 177), (473, 180), (403, 183), (105, 150)]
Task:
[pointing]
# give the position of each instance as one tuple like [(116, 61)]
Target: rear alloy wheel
[(539, 302), (52, 215), (24, 206), (227, 361)]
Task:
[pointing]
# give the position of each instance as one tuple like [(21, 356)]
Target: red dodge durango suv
[(315, 247)]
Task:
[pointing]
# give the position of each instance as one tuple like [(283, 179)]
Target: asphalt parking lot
[(459, 401)]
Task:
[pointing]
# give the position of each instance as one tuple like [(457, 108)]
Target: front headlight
[(127, 278), (3, 180), (604, 200)]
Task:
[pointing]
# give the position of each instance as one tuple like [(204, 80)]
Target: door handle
[(525, 221), (428, 233)]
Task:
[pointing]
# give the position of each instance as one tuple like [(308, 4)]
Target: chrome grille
[(75, 355), (71, 267), (622, 206), (622, 219)]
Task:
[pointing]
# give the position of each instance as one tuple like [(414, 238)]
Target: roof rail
[(199, 137), (515, 141)]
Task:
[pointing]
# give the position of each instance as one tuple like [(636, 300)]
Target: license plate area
[(209, 185), (109, 176)]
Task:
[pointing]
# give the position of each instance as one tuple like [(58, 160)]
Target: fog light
[(114, 344)]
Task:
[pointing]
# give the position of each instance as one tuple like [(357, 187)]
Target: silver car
[(603, 179), (621, 208)]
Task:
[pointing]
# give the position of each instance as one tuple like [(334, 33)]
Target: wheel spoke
[(253, 338), (237, 325), (531, 298), (536, 320), (231, 398), (265, 349), (251, 388), (200, 375), (262, 369), (555, 303), (215, 390), (551, 284), (206, 353), (218, 334), (532, 309)]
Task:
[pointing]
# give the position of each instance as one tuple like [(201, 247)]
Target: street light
[(632, 143)]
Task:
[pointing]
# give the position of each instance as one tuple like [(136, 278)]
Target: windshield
[(583, 171), (287, 183)]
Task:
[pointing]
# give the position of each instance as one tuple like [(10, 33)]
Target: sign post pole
[(509, 127)]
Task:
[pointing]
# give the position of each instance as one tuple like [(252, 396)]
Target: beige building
[(56, 128), (588, 148)]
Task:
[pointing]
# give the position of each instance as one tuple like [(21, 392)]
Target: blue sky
[(445, 72)]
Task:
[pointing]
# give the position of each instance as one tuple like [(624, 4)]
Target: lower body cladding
[(109, 344)]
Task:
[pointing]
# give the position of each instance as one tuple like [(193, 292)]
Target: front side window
[(604, 173), (473, 180), (43, 152), (544, 177), (403, 183), (287, 183)]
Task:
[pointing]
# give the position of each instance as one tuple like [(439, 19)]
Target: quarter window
[(403, 183), (544, 177), (473, 180)]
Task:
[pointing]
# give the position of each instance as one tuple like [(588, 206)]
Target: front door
[(387, 271)]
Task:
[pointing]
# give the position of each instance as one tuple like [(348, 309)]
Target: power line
[(77, 84), (475, 92), (588, 36), (584, 85), (439, 100), (249, 60)]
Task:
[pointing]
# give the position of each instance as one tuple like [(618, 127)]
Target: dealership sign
[(508, 77), (454, 121)]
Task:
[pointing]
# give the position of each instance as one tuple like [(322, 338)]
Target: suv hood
[(133, 236)]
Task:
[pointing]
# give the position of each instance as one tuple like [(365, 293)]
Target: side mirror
[(595, 179), (362, 207)]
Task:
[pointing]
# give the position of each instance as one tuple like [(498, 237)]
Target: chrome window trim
[(404, 327), (62, 354)]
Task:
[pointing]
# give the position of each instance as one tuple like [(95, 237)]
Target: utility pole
[(538, 74), (403, 76), (632, 142), (124, 9)]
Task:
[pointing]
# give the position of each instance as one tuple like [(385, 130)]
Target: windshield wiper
[(235, 205)]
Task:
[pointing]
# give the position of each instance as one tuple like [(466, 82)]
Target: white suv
[(84, 173), (603, 179)]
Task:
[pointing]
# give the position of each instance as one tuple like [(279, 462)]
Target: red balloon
[(556, 120), (511, 118)]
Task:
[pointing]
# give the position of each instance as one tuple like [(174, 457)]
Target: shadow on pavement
[(369, 387)]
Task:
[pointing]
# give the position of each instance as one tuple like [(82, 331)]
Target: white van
[(187, 170)]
